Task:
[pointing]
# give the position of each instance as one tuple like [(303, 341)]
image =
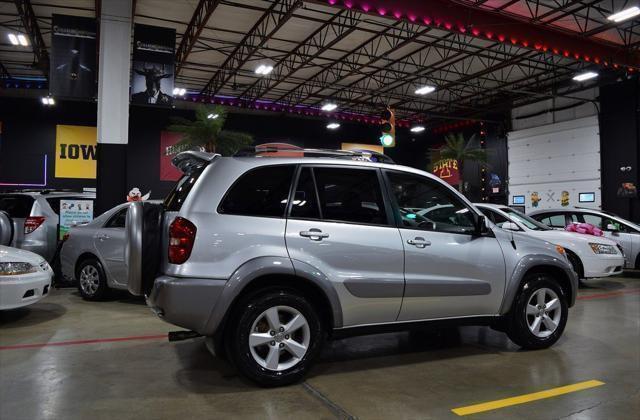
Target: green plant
[(207, 132), (461, 150)]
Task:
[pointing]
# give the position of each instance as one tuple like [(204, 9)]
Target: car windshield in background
[(17, 206), (527, 221)]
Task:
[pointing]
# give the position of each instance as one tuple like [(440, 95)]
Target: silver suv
[(268, 257)]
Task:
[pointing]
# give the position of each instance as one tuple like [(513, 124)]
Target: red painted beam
[(474, 21)]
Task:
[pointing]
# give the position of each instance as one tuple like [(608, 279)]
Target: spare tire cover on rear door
[(6, 229), (142, 245)]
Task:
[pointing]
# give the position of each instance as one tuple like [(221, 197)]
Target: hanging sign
[(72, 71), (153, 65), (447, 170)]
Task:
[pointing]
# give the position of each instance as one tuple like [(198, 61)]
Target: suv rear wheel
[(92, 282), (539, 314), (275, 338)]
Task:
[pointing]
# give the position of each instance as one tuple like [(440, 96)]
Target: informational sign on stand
[(74, 212)]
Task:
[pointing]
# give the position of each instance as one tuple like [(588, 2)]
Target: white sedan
[(591, 256), (25, 278)]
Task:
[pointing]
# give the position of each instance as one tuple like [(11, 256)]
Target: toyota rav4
[(268, 257)]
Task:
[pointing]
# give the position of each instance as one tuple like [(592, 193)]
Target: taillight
[(182, 235), (32, 223)]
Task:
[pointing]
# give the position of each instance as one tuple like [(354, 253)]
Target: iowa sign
[(75, 151)]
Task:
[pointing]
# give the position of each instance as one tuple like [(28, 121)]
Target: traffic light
[(388, 127)]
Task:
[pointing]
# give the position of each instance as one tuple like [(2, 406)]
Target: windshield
[(527, 221)]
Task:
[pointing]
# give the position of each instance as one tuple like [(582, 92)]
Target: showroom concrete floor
[(109, 360)]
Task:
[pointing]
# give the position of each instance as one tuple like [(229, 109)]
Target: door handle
[(419, 242), (103, 237), (314, 234)]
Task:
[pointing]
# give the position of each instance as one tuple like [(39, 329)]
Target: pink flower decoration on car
[(584, 228)]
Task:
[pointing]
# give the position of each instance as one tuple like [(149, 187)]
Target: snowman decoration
[(136, 195)]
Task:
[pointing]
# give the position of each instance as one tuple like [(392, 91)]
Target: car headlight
[(602, 248), (15, 268)]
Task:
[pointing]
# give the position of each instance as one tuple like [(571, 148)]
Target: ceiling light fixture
[(329, 107), (23, 40), (47, 100), (333, 126), (417, 129), (13, 39), (213, 116), (264, 69), (625, 14), (424, 90), (179, 91), (585, 76)]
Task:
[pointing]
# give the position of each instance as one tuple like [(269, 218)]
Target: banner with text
[(153, 65), (75, 151), (73, 57), (168, 149)]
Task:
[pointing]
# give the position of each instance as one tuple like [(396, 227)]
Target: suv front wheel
[(539, 314), (275, 338)]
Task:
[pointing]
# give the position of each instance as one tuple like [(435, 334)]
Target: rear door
[(449, 271), (339, 224), (109, 241)]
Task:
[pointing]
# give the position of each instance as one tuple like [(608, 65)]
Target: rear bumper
[(185, 302)]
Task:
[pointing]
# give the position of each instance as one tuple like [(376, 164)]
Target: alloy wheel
[(279, 338), (543, 312), (89, 279)]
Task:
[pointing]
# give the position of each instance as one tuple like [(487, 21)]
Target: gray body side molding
[(312, 274), (531, 261)]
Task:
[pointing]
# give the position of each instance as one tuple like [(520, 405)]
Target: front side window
[(556, 220), (498, 219), (262, 192), (528, 222), (426, 204), (350, 195)]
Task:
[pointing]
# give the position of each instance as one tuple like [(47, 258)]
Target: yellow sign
[(75, 151)]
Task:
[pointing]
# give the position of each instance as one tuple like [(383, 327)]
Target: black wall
[(620, 145)]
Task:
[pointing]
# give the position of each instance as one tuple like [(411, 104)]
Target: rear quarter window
[(17, 206)]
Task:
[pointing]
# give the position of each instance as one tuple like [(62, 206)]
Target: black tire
[(517, 321), (92, 293), (576, 263), (249, 312)]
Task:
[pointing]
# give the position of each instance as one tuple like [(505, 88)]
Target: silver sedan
[(93, 254)]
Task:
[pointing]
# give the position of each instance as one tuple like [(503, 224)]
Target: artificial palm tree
[(207, 132), (461, 150)]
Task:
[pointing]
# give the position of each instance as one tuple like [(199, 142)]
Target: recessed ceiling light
[(213, 116), (424, 90), (417, 129), (13, 39), (333, 126), (264, 69), (585, 76), (179, 91), (329, 107), (625, 14), (47, 100), (23, 40)]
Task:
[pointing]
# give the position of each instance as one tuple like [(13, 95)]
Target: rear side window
[(262, 192), (54, 202), (350, 195), (556, 220), (118, 219), (17, 206)]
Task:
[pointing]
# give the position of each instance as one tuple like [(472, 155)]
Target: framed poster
[(74, 212)]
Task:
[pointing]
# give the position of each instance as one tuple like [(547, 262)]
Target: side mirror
[(481, 225), (509, 226), (612, 228)]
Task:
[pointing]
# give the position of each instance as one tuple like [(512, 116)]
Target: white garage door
[(556, 165)]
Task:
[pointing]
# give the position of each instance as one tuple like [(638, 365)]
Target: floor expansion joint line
[(338, 411), (615, 293), (87, 341)]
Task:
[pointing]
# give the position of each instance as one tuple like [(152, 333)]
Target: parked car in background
[(35, 218), (25, 278), (93, 254), (590, 256), (622, 231), (267, 257)]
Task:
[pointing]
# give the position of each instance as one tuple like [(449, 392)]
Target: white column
[(114, 71)]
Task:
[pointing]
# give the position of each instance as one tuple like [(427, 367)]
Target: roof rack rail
[(360, 154)]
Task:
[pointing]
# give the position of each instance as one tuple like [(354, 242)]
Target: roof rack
[(360, 154)]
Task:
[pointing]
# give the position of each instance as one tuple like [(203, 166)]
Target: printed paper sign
[(74, 212)]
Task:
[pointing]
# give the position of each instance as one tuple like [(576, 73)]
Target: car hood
[(564, 238), (10, 254)]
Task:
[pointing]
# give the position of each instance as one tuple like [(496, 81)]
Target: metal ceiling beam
[(30, 24), (269, 23), (468, 16), (338, 27), (198, 21)]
